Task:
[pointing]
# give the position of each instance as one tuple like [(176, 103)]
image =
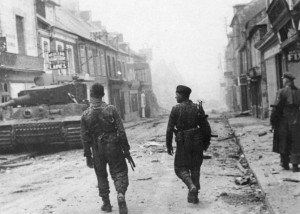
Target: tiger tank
[(43, 115)]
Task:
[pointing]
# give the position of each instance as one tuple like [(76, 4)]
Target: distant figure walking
[(102, 131), (285, 121), (192, 130)]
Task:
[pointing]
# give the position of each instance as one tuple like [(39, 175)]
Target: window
[(124, 69), (134, 102), (109, 66), (119, 69), (91, 61), (20, 34), (5, 98), (103, 64), (5, 87), (40, 8), (83, 61), (98, 63), (45, 49), (70, 58), (59, 47), (114, 67)]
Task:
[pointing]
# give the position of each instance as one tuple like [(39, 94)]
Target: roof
[(67, 21), (249, 11), (138, 66)]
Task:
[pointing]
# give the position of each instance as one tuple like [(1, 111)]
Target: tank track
[(73, 135), (6, 139)]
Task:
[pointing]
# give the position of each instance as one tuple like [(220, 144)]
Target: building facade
[(19, 59), (53, 42)]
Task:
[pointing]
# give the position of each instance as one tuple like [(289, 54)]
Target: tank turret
[(50, 95)]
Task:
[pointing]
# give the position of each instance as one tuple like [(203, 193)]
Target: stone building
[(20, 62)]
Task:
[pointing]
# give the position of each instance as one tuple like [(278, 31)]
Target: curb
[(237, 141)]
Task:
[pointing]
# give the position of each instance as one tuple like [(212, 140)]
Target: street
[(60, 182)]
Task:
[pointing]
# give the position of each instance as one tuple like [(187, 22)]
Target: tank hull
[(59, 126), (26, 135)]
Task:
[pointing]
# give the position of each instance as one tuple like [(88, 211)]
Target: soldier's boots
[(122, 204), (284, 161), (193, 194), (106, 204), (285, 165), (295, 168)]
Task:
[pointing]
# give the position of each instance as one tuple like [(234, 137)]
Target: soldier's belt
[(189, 130)]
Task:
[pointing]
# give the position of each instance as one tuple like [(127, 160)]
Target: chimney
[(86, 15), (238, 7), (97, 24), (72, 5), (120, 38)]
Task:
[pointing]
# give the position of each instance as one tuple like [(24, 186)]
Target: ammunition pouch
[(186, 138), (179, 138), (190, 138), (111, 137)]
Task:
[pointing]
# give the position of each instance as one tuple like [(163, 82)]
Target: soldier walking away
[(105, 142), (285, 121), (192, 135)]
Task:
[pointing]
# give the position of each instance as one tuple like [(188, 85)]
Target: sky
[(189, 33)]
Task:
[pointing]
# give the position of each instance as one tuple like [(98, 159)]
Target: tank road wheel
[(72, 135)]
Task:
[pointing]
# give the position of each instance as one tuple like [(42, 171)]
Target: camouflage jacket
[(103, 120), (185, 116)]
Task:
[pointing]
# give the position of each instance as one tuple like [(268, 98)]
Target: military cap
[(184, 90), (288, 76), (97, 90)]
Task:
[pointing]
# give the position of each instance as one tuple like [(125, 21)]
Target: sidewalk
[(255, 138)]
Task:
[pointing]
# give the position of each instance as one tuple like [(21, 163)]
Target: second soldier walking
[(193, 132)]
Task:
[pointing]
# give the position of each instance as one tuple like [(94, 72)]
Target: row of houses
[(262, 45), (53, 41)]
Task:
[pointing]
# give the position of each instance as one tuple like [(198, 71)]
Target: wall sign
[(57, 60), (293, 56)]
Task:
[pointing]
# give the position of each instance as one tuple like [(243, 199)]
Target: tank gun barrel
[(16, 101)]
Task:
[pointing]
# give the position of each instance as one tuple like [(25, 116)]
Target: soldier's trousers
[(110, 154), (188, 161)]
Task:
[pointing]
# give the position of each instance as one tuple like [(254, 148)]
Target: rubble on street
[(280, 187), (60, 182)]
